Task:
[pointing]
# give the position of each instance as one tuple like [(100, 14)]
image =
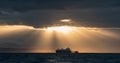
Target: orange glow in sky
[(83, 39), (63, 29)]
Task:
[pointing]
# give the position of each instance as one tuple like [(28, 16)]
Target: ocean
[(59, 58)]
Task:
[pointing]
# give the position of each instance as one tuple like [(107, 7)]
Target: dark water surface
[(59, 58)]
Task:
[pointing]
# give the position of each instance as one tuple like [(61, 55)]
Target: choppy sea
[(59, 58)]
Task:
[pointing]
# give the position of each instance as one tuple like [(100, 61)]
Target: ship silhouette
[(65, 51)]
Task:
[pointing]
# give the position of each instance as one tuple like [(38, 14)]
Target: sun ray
[(80, 38), (75, 37)]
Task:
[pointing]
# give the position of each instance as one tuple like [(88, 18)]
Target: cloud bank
[(37, 13)]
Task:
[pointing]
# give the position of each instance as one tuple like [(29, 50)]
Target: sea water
[(59, 58)]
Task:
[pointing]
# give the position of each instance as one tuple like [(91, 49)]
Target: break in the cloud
[(94, 13), (20, 38)]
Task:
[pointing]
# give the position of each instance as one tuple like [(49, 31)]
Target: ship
[(65, 51)]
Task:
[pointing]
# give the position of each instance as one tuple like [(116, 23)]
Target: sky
[(40, 12), (21, 19)]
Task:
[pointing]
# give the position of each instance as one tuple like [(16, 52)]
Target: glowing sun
[(65, 20), (63, 29)]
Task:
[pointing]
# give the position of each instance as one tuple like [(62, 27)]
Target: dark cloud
[(95, 13), (55, 4)]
